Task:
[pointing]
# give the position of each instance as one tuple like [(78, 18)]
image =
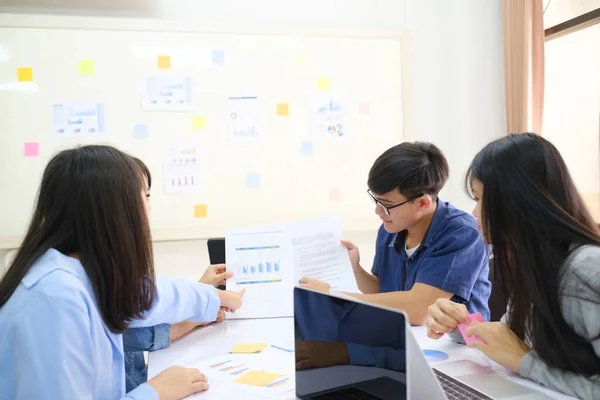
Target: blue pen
[(281, 348)]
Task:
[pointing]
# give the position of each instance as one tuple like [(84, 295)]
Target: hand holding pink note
[(477, 317)]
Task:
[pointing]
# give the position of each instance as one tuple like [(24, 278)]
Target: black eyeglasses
[(386, 209)]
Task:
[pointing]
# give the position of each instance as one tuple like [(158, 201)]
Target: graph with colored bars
[(236, 370), (259, 264)]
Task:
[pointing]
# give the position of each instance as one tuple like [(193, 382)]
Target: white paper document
[(182, 172), (244, 117), (78, 118), (329, 116), (269, 261), (167, 93)]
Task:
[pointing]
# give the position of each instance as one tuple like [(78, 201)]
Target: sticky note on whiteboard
[(198, 122), (307, 148), (364, 108), (31, 149), (164, 62), (335, 193), (323, 83), (253, 180), (140, 131), (218, 57), (200, 211), (25, 74), (283, 109), (86, 67)]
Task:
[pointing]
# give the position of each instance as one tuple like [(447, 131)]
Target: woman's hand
[(215, 275), (315, 284), (178, 382), (499, 344), (444, 316), (230, 300)]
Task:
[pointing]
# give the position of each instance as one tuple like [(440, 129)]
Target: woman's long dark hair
[(532, 215), (90, 204)]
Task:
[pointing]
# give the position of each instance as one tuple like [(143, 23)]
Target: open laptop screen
[(345, 349)]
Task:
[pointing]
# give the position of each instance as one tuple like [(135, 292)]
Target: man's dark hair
[(414, 169)]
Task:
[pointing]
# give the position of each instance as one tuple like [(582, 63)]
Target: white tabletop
[(214, 341)]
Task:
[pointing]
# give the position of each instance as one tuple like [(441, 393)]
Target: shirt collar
[(436, 223), (51, 261)]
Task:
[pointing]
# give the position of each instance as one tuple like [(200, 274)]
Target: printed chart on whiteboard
[(78, 118), (182, 168), (329, 116), (167, 93), (244, 116)]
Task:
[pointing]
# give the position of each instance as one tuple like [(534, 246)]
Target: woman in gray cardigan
[(546, 262)]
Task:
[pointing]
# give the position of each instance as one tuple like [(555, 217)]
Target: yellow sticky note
[(323, 83), (283, 109), (25, 74), (164, 62), (248, 348), (199, 122), (86, 67), (301, 58), (200, 211), (257, 378)]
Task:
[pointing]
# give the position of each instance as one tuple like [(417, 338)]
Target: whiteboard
[(364, 71)]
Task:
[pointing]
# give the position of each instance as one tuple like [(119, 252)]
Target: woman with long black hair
[(546, 263)]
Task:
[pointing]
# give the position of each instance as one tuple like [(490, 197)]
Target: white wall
[(456, 77), (457, 81), (572, 107)]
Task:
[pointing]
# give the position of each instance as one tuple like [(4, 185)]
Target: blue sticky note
[(218, 57), (253, 180), (307, 148), (140, 131)]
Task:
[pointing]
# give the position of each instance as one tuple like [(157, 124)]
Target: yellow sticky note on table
[(199, 122), (257, 378), (323, 83), (164, 62), (283, 109), (248, 348), (200, 211), (86, 67), (25, 74)]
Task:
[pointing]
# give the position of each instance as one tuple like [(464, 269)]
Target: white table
[(216, 340)]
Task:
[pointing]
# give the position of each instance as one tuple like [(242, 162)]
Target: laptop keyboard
[(350, 393), (456, 390)]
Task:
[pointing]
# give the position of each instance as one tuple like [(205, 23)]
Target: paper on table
[(248, 348), (257, 378)]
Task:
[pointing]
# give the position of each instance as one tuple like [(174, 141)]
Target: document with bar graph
[(268, 261)]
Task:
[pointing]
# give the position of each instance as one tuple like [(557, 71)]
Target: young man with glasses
[(426, 249)]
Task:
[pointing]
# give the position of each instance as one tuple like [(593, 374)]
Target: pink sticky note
[(31, 149), (477, 317), (335, 193), (364, 108)]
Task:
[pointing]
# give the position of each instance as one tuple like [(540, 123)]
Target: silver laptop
[(380, 358)]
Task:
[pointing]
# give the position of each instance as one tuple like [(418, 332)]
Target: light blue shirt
[(54, 344)]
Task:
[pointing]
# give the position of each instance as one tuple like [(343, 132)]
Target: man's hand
[(317, 354), (215, 275), (353, 253), (315, 284)]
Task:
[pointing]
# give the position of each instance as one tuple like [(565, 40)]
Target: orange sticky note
[(164, 62), (198, 122), (200, 211), (323, 83), (25, 74), (86, 67), (257, 378), (248, 348), (283, 109)]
